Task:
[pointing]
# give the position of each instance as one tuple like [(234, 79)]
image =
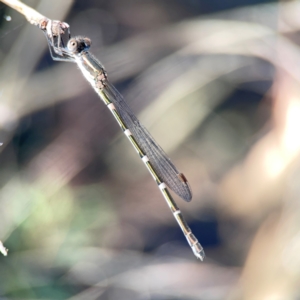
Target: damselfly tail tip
[(201, 255), (197, 249)]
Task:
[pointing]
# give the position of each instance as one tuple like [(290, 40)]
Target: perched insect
[(159, 165)]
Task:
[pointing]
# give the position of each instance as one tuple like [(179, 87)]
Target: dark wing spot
[(182, 177)]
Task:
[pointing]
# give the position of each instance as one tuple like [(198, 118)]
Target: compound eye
[(72, 45), (87, 42)]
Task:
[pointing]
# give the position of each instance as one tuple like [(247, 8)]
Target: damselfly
[(159, 165)]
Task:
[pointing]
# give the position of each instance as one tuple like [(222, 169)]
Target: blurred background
[(217, 85)]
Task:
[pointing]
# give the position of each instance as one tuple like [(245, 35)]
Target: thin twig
[(29, 13), (37, 19), (48, 26), (34, 18)]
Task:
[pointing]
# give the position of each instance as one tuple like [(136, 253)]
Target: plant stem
[(29, 13)]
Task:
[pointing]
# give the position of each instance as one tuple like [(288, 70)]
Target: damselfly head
[(78, 44)]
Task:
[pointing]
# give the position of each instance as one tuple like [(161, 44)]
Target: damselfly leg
[(54, 32)]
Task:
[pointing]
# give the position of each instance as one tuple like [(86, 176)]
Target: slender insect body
[(158, 164), (89, 77)]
